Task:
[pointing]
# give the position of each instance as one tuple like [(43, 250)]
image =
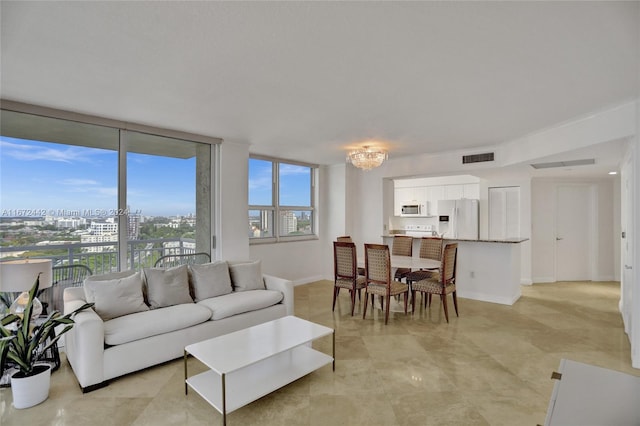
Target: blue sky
[(44, 176), (295, 183), (48, 176)]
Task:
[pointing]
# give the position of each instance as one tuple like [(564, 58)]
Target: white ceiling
[(307, 80)]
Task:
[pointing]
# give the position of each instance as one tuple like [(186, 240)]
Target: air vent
[(570, 163), (477, 158)]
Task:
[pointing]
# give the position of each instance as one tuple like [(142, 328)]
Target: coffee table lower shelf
[(256, 380)]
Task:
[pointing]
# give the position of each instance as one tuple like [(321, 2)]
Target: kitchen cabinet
[(420, 196), (400, 197), (504, 212), (453, 192), (433, 194), (471, 190), (429, 196), (411, 195), (458, 191)]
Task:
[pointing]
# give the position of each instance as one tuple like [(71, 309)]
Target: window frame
[(124, 131), (276, 209)]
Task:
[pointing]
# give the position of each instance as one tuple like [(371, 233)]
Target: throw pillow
[(210, 280), (116, 297), (88, 295), (167, 287), (246, 276)]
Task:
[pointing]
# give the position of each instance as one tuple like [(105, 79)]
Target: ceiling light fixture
[(367, 158), (613, 173)]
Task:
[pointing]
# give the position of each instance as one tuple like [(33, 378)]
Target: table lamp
[(19, 276)]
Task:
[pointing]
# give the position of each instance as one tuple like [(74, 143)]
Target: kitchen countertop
[(480, 240)]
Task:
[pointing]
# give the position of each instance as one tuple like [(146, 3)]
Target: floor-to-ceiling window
[(100, 195), (168, 196)]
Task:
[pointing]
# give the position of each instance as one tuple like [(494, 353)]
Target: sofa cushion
[(210, 280), (104, 277), (137, 326), (167, 287), (239, 302), (246, 276), (116, 297)]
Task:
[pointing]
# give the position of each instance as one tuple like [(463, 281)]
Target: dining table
[(413, 262)]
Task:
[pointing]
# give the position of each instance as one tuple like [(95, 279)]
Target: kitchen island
[(487, 269)]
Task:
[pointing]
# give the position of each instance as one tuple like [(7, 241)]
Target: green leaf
[(25, 347)]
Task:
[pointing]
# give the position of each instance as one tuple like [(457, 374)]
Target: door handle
[(628, 267), (558, 238)]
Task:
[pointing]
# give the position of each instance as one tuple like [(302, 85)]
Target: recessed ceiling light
[(613, 173)]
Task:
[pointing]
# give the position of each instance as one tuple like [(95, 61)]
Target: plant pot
[(32, 390)]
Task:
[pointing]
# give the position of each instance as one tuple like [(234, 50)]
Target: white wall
[(543, 208), (298, 261), (333, 222), (232, 228)]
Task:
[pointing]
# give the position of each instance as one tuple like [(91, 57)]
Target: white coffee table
[(251, 363)]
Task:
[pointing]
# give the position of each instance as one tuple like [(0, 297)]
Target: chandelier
[(367, 158)]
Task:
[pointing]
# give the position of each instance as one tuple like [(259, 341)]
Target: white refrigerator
[(463, 218)]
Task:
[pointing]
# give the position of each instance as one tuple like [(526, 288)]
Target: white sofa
[(99, 350)]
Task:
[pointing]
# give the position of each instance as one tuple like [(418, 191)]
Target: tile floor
[(490, 366)]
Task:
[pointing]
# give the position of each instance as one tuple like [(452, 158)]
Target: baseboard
[(94, 387), (307, 280), (606, 278), (525, 281), (502, 300), (544, 279)]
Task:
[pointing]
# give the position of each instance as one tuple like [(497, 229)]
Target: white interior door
[(627, 251), (573, 213)]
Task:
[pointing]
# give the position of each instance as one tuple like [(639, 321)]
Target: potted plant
[(24, 343)]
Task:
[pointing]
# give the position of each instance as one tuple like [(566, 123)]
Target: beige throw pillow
[(116, 297), (167, 287), (246, 276), (210, 280)]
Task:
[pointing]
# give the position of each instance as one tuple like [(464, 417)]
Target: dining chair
[(430, 248), (378, 278), (346, 272), (441, 283), (402, 246), (347, 239)]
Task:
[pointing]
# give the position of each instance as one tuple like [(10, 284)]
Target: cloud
[(260, 178), (260, 182), (100, 191), (77, 182), (290, 169), (27, 152)]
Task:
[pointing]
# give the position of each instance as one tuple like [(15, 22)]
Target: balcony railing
[(103, 257)]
